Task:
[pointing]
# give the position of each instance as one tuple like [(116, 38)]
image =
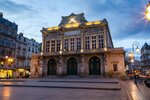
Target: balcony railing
[(75, 52), (21, 57)]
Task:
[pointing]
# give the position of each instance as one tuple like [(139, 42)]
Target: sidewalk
[(137, 91)]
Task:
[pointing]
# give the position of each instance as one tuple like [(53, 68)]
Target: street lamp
[(135, 43), (9, 62), (131, 55), (147, 12)]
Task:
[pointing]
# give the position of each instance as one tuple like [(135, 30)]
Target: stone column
[(69, 44), (82, 69), (60, 66), (44, 69), (97, 42), (90, 42), (103, 59), (75, 44), (55, 45), (62, 42), (105, 63), (50, 46), (41, 67), (105, 36), (82, 40)]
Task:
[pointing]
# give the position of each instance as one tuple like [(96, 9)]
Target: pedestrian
[(135, 82)]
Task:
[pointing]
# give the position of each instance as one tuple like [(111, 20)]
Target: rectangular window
[(47, 46), (58, 45), (29, 49), (33, 50), (115, 67), (78, 43), (100, 41), (93, 42), (72, 44), (87, 43), (66, 44), (53, 46)]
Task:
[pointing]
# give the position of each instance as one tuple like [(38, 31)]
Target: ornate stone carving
[(77, 18)]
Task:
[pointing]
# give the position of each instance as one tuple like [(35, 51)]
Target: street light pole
[(135, 43), (9, 62)]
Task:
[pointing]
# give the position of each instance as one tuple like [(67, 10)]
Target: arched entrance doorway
[(51, 67), (94, 66), (72, 66)]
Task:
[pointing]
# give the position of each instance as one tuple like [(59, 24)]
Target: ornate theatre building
[(77, 47)]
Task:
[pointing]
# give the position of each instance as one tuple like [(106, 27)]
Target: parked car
[(137, 76), (147, 82)]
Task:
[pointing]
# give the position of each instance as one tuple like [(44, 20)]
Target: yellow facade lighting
[(53, 28), (50, 29), (68, 26), (2, 63), (21, 70), (60, 52), (75, 25), (93, 23), (81, 50), (88, 23), (105, 48), (97, 22), (72, 25), (11, 60)]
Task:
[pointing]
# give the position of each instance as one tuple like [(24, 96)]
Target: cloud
[(124, 16), (12, 7)]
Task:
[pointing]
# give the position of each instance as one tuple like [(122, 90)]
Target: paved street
[(72, 89)]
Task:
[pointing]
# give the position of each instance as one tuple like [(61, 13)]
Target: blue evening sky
[(125, 17)]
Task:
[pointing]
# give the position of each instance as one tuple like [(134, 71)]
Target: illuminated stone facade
[(77, 47)]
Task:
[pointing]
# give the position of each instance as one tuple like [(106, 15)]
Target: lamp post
[(9, 62), (147, 12), (131, 55)]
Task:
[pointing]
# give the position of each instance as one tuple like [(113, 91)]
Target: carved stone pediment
[(73, 18)]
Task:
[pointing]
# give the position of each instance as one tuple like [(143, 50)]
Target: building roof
[(146, 46), (75, 21)]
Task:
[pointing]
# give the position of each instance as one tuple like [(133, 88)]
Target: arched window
[(72, 66), (94, 66), (51, 67)]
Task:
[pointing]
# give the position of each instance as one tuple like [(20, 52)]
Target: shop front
[(4, 73), (22, 73)]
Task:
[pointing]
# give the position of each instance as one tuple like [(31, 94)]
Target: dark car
[(137, 76), (147, 83)]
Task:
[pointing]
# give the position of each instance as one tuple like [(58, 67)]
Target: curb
[(79, 81), (65, 87), (12, 80)]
